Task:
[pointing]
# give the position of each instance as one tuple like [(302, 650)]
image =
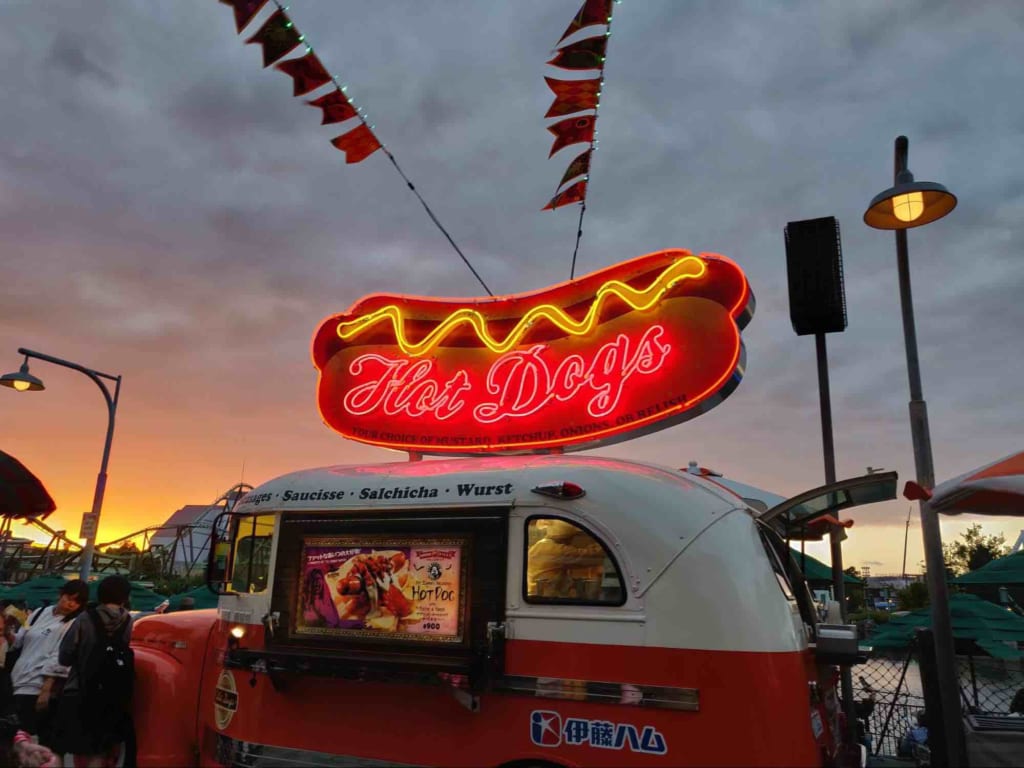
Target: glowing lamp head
[(237, 632), (909, 204), (22, 381)]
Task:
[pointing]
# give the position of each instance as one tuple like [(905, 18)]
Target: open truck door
[(806, 511), (811, 516)]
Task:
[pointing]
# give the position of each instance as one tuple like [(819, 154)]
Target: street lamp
[(23, 381), (907, 204)]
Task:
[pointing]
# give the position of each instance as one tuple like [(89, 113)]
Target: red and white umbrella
[(994, 489)]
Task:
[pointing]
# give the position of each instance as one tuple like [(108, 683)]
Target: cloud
[(169, 211)]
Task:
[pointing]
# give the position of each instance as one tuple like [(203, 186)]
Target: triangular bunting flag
[(572, 130), (593, 12), (572, 96), (583, 54), (357, 144), (278, 36), (245, 10), (336, 107), (307, 72), (574, 194), (578, 167)]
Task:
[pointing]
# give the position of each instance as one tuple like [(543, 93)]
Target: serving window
[(392, 590), (567, 564)]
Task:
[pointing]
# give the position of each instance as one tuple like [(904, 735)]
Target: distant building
[(185, 536), (880, 591)]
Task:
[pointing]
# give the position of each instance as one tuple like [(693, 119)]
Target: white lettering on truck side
[(547, 729)]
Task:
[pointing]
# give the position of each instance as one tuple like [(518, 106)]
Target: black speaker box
[(814, 264)]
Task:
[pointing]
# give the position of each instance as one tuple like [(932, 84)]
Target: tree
[(912, 596), (973, 550)]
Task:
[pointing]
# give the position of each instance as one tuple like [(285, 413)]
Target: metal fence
[(990, 686), (890, 695)]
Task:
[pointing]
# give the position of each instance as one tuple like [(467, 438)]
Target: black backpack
[(110, 677)]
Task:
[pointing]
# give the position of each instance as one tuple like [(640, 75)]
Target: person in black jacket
[(94, 714)]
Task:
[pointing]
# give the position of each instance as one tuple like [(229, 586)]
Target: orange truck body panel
[(170, 655)]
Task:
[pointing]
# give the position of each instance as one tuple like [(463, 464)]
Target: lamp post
[(23, 381), (908, 204)]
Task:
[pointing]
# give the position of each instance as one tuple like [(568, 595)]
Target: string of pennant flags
[(278, 36), (576, 101), (574, 97)]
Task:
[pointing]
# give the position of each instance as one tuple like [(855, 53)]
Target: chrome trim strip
[(627, 694), (563, 615), (235, 616), (246, 754)]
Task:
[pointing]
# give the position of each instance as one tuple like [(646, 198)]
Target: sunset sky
[(170, 213)]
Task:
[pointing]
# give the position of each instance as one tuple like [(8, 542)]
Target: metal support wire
[(362, 118), (579, 234), (433, 218)]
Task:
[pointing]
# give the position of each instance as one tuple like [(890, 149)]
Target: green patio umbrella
[(201, 596), (815, 570), (46, 589), (35, 592), (1003, 571), (142, 597), (995, 630)]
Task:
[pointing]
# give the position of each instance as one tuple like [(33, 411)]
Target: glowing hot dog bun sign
[(629, 349)]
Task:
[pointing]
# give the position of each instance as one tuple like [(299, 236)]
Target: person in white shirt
[(37, 675)]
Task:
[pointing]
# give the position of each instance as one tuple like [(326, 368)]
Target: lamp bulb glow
[(21, 386), (238, 632), (908, 207)]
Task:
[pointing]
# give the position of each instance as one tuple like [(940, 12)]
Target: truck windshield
[(251, 560)]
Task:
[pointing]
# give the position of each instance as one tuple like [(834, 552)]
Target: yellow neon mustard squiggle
[(638, 300)]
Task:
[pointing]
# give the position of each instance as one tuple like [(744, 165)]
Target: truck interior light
[(563, 490)]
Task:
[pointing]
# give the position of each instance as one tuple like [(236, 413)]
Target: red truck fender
[(170, 652)]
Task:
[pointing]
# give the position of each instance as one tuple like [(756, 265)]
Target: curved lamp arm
[(101, 479)]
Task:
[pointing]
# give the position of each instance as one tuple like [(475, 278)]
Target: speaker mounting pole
[(817, 306)]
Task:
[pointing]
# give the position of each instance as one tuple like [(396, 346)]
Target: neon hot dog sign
[(630, 349)]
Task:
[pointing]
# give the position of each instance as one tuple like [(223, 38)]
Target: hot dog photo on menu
[(368, 586)]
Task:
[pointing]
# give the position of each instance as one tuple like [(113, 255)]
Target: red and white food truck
[(503, 610)]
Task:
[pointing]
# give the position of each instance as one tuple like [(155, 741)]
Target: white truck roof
[(646, 509), (669, 530)]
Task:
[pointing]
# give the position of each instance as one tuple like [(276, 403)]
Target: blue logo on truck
[(548, 729)]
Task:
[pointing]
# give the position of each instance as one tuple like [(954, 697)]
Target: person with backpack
[(37, 674), (94, 720)]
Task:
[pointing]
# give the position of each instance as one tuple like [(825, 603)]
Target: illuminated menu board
[(400, 588)]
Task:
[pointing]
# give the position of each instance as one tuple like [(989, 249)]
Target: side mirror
[(837, 644)]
